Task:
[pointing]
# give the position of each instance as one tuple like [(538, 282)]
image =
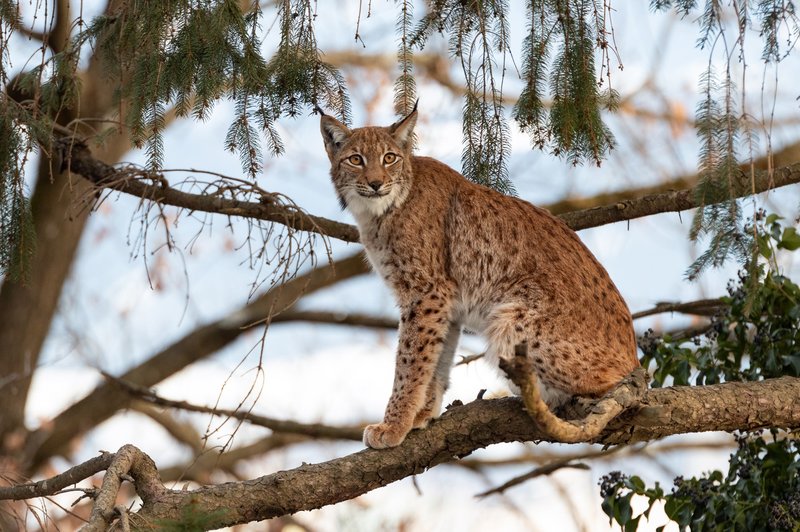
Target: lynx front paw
[(382, 435), (423, 419)]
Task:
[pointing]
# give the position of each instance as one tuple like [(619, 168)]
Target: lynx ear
[(334, 133), (403, 130)]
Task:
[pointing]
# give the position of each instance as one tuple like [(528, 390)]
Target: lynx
[(460, 255)]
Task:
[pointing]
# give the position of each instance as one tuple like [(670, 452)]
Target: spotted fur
[(457, 254)]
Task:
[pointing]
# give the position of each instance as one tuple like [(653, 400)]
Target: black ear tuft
[(318, 110)]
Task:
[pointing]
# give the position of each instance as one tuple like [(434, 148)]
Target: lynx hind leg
[(553, 396), (512, 325), (441, 379)]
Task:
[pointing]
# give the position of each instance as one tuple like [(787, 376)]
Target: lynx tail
[(626, 394)]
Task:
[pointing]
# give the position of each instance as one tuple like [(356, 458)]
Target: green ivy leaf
[(790, 239)]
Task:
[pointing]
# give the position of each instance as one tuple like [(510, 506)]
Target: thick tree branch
[(460, 431), (129, 463), (787, 155), (132, 181), (680, 200), (337, 318)]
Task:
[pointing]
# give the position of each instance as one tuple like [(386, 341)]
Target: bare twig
[(701, 307), (122, 512), (468, 359), (544, 470), (314, 430)]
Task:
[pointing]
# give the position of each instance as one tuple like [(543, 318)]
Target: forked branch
[(129, 463)]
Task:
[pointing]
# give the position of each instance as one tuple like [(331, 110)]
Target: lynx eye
[(355, 160), (389, 158)]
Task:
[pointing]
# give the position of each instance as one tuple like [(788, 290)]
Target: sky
[(124, 302)]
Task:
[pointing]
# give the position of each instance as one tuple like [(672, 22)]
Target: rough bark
[(462, 430), (458, 432)]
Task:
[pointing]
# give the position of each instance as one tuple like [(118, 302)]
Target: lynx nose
[(375, 185)]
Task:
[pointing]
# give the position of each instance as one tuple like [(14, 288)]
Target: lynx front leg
[(440, 380), (423, 331)]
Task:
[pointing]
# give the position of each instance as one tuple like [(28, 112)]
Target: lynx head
[(370, 166)]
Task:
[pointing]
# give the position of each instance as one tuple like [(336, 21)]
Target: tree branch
[(541, 456), (129, 463), (457, 433), (680, 200), (540, 471), (182, 431), (57, 483), (787, 155), (337, 318), (78, 159)]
